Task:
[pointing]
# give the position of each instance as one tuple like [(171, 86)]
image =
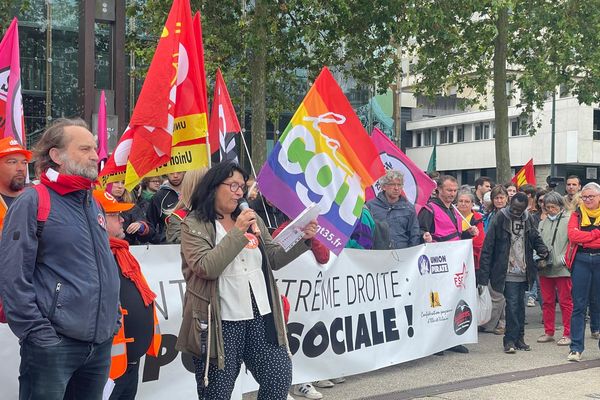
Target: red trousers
[(549, 287)]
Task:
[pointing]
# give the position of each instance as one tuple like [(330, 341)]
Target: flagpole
[(254, 173)]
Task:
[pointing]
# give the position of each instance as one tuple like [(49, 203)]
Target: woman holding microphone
[(232, 310)]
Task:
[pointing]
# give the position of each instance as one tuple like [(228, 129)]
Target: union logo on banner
[(324, 156)]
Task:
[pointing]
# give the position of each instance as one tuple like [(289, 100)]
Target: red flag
[(101, 130), (223, 118), (418, 186), (169, 123), (11, 103), (525, 176)]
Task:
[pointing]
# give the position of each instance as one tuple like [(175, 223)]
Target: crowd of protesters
[(76, 333)]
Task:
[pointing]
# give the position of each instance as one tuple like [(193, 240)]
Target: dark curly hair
[(203, 199)]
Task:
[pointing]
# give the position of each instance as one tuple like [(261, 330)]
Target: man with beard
[(13, 173), (59, 282), (162, 205)]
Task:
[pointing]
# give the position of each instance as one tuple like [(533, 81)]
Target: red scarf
[(64, 184), (130, 269)]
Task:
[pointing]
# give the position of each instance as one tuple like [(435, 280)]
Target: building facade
[(465, 141)]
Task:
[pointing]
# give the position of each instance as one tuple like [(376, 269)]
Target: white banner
[(365, 310)]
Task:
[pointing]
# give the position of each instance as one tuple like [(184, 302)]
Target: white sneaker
[(324, 384), (530, 302), (307, 390), (574, 356)]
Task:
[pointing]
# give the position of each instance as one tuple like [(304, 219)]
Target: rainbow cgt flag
[(324, 156)]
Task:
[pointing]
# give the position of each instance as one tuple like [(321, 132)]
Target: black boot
[(521, 345)]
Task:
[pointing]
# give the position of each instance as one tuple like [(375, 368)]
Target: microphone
[(243, 204)]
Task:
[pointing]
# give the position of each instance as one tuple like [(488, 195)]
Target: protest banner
[(363, 311)]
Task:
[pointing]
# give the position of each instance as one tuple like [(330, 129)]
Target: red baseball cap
[(109, 203), (9, 145)]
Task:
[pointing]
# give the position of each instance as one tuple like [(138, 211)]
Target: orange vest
[(3, 210), (118, 353)]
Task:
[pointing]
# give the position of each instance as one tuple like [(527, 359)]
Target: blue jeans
[(514, 293), (585, 272), (69, 370), (594, 309)]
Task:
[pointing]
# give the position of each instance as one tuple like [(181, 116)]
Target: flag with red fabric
[(12, 123), (168, 128), (224, 123), (525, 176), (418, 186)]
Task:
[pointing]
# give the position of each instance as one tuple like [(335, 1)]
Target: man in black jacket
[(507, 264)]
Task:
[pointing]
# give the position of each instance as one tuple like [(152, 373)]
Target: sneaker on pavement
[(307, 390), (338, 380), (521, 345), (574, 356), (595, 335), (509, 348), (564, 341), (530, 302), (499, 331), (324, 384), (545, 339)]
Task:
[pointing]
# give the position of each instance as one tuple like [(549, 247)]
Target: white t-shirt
[(243, 273)]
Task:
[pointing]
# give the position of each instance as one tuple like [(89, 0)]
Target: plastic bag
[(484, 309)]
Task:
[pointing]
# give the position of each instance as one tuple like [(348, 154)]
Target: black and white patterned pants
[(244, 341)]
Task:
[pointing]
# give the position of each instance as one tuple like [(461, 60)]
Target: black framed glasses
[(234, 186)]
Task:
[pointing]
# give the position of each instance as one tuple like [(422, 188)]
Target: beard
[(17, 183), (70, 167)]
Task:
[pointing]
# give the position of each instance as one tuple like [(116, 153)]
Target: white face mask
[(552, 217)]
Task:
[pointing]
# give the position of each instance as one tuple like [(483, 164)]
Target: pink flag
[(12, 123), (102, 133), (417, 185)]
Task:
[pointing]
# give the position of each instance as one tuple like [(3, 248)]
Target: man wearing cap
[(59, 281), (139, 333), (13, 173)]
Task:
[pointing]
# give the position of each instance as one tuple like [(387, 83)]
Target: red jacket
[(577, 237), (477, 220), (319, 250)]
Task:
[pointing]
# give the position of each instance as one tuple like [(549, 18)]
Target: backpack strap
[(43, 207)]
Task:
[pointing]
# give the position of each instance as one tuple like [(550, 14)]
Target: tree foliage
[(294, 39), (548, 43)]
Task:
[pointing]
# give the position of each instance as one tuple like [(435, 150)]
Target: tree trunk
[(501, 98), (258, 66)]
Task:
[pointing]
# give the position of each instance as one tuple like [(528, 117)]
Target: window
[(450, 134), (460, 133), (443, 136), (478, 130), (596, 124), (483, 131), (427, 138), (418, 142), (516, 129)]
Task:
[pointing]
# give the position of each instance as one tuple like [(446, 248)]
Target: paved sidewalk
[(485, 373)]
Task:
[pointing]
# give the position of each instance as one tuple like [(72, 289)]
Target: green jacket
[(203, 263), (561, 242)]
